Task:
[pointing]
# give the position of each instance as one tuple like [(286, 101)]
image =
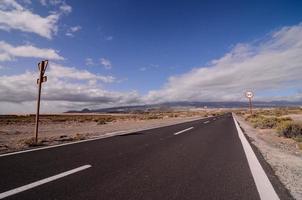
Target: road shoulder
[(282, 168)]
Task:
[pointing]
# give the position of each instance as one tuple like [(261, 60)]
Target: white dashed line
[(41, 182), (179, 132), (206, 122)]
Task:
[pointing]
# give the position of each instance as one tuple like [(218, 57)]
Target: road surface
[(202, 159)]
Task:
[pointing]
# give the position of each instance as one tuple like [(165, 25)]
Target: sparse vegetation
[(31, 142), (285, 121), (291, 130), (260, 121), (98, 118), (79, 136), (300, 145)]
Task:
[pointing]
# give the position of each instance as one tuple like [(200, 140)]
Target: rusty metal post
[(250, 95), (251, 106), (42, 67)]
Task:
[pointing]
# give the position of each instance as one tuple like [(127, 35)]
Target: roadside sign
[(44, 79), (42, 68), (249, 94)]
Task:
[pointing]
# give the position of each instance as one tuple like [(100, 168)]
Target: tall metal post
[(251, 106), (250, 95), (42, 67)]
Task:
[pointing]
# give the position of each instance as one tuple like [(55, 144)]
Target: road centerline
[(42, 181), (182, 131)]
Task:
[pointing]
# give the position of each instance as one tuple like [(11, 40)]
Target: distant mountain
[(185, 104)]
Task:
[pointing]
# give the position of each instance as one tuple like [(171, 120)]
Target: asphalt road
[(202, 159)]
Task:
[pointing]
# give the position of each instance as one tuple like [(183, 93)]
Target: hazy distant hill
[(175, 105)]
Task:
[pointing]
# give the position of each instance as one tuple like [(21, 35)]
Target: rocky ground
[(283, 154)]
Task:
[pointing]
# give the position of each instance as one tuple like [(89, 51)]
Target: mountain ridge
[(188, 104)]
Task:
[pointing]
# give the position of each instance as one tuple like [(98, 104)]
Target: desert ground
[(276, 132), (17, 131)]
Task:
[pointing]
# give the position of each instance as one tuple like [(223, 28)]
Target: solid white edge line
[(96, 138), (264, 186), (63, 144), (41, 182), (179, 132)]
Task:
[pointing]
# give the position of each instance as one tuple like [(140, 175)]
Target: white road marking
[(41, 182), (264, 186), (179, 132), (206, 122), (95, 138)]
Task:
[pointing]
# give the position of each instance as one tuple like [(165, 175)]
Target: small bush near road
[(290, 129), (260, 121), (79, 136), (31, 142)]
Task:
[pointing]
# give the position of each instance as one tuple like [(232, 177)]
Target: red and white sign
[(249, 94)]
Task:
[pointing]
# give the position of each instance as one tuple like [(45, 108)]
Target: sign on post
[(42, 68), (250, 95)]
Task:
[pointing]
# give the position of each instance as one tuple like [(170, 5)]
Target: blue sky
[(148, 50)]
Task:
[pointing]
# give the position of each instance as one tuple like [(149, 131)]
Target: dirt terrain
[(283, 154), (16, 132)]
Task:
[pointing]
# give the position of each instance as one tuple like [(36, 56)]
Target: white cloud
[(149, 67), (27, 1), (14, 16), (267, 66), (43, 2), (106, 63), (9, 52), (51, 2), (67, 85), (89, 62), (55, 2), (66, 9), (75, 28), (60, 71), (70, 32)]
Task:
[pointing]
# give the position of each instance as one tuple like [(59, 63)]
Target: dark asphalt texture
[(207, 162)]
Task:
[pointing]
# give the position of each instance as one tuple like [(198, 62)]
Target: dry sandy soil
[(16, 136), (283, 154)]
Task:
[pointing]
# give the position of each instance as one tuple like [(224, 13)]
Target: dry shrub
[(79, 136), (300, 145), (260, 121), (290, 129), (101, 121), (31, 142)]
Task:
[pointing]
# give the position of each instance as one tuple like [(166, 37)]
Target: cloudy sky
[(118, 52)]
